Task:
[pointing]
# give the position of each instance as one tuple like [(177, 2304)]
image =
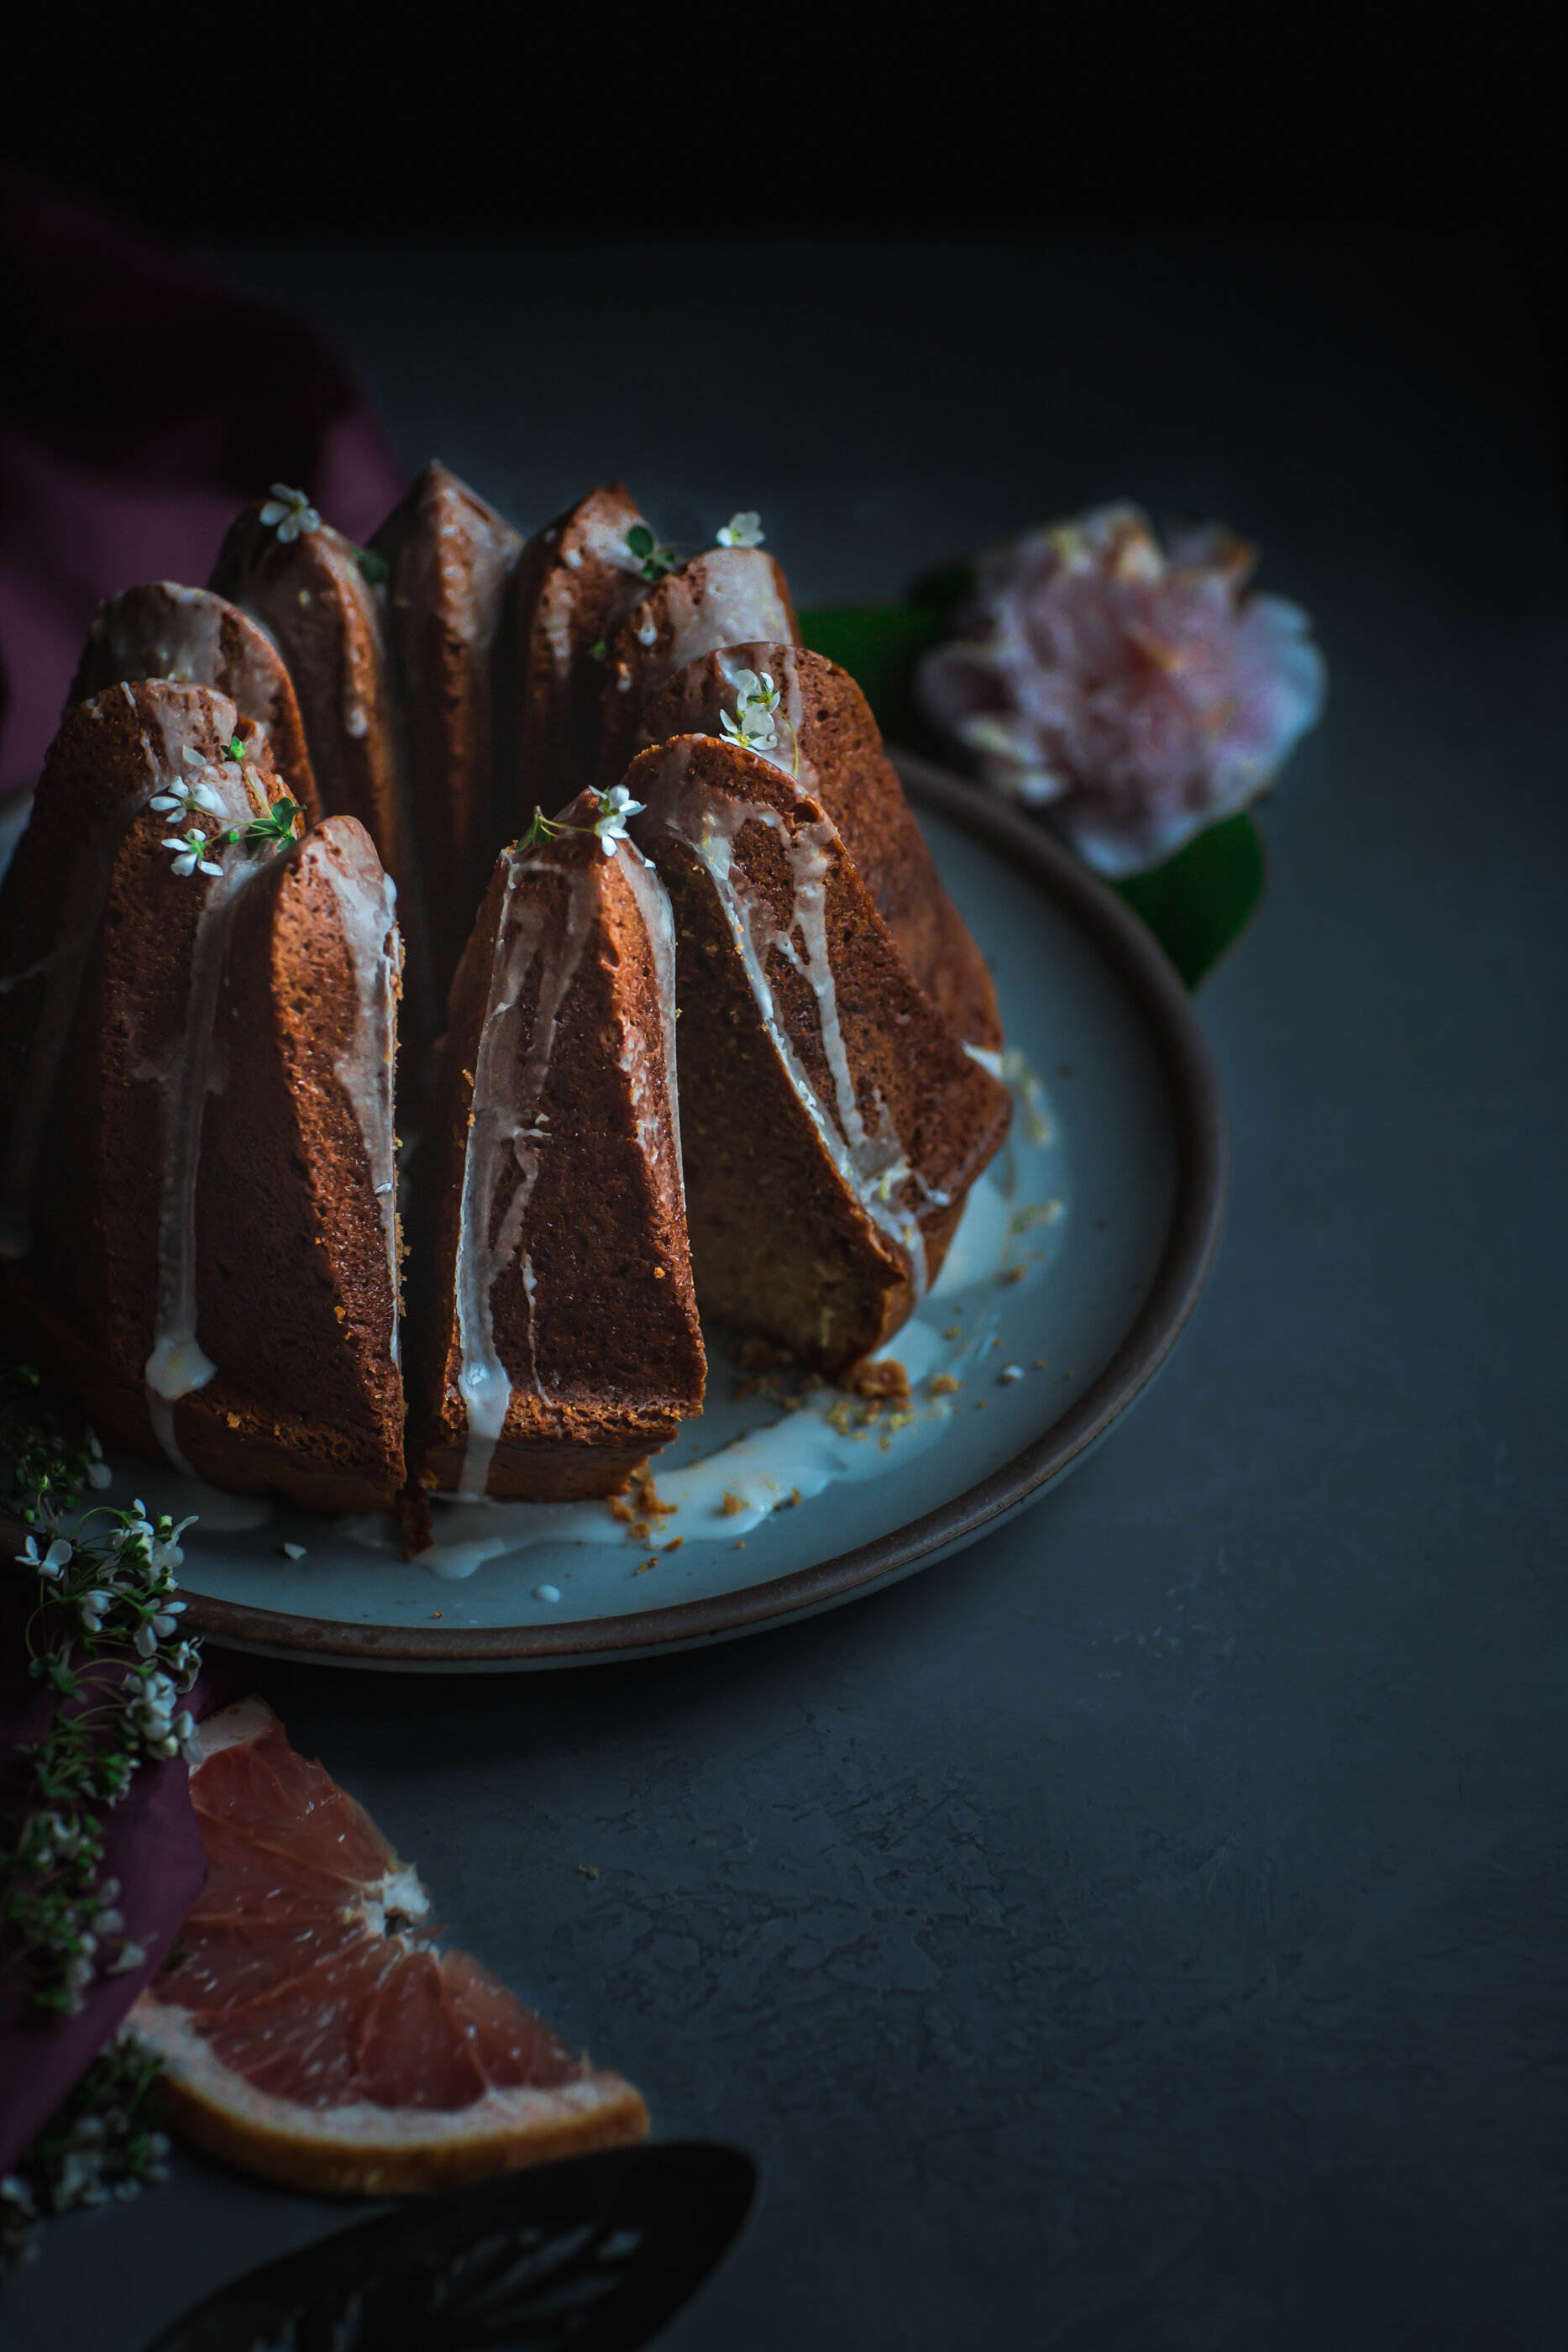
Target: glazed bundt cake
[(199, 1231)]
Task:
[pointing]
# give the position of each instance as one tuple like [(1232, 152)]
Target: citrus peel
[(312, 2033)]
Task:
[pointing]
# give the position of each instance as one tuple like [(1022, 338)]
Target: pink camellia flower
[(1136, 696)]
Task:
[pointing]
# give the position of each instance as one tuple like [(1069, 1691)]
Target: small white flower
[(742, 530), (188, 858), (756, 700), (109, 1921), (614, 807), (291, 511), (146, 1640), (98, 1474), (129, 1956), (193, 797), (94, 1607), (51, 1563), (165, 1551)]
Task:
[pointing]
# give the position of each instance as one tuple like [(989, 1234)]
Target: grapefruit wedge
[(311, 2034)]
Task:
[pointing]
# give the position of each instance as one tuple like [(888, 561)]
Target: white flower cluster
[(290, 512), (112, 1592), (754, 727), (742, 530)]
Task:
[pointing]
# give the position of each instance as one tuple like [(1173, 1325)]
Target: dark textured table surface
[(1147, 1929)]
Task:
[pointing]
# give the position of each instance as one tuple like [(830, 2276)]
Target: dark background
[(1432, 145), (1147, 1931)]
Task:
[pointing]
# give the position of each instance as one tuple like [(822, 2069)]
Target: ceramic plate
[(1078, 1260)]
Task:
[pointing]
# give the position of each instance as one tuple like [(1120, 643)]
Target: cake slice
[(314, 592), (833, 1120), (820, 731), (133, 1050), (575, 583), (555, 1339), (450, 559), (731, 596), (192, 637), (296, 1212)]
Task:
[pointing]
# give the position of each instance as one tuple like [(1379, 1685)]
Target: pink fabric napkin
[(145, 400)]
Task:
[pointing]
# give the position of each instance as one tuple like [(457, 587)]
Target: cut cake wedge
[(556, 1340), (824, 736), (833, 1120)]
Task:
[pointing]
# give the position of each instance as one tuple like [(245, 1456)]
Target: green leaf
[(640, 540), (1200, 901), (373, 568)]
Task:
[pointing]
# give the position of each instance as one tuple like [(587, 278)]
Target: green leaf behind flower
[(1200, 901), (1197, 904)]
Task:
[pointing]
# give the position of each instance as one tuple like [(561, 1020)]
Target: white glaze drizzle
[(187, 647), (367, 908), (86, 893), (659, 921), (873, 1168), (178, 1364), (505, 1120)]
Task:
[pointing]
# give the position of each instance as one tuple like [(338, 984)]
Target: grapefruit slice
[(311, 2034)]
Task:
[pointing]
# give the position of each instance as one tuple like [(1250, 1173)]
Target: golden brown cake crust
[(556, 1149), (836, 1121), (190, 636), (731, 595), (450, 560), (573, 585), (297, 1267), (329, 623), (828, 737), (99, 1285)]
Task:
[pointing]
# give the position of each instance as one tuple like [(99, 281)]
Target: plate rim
[(1202, 1150)]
